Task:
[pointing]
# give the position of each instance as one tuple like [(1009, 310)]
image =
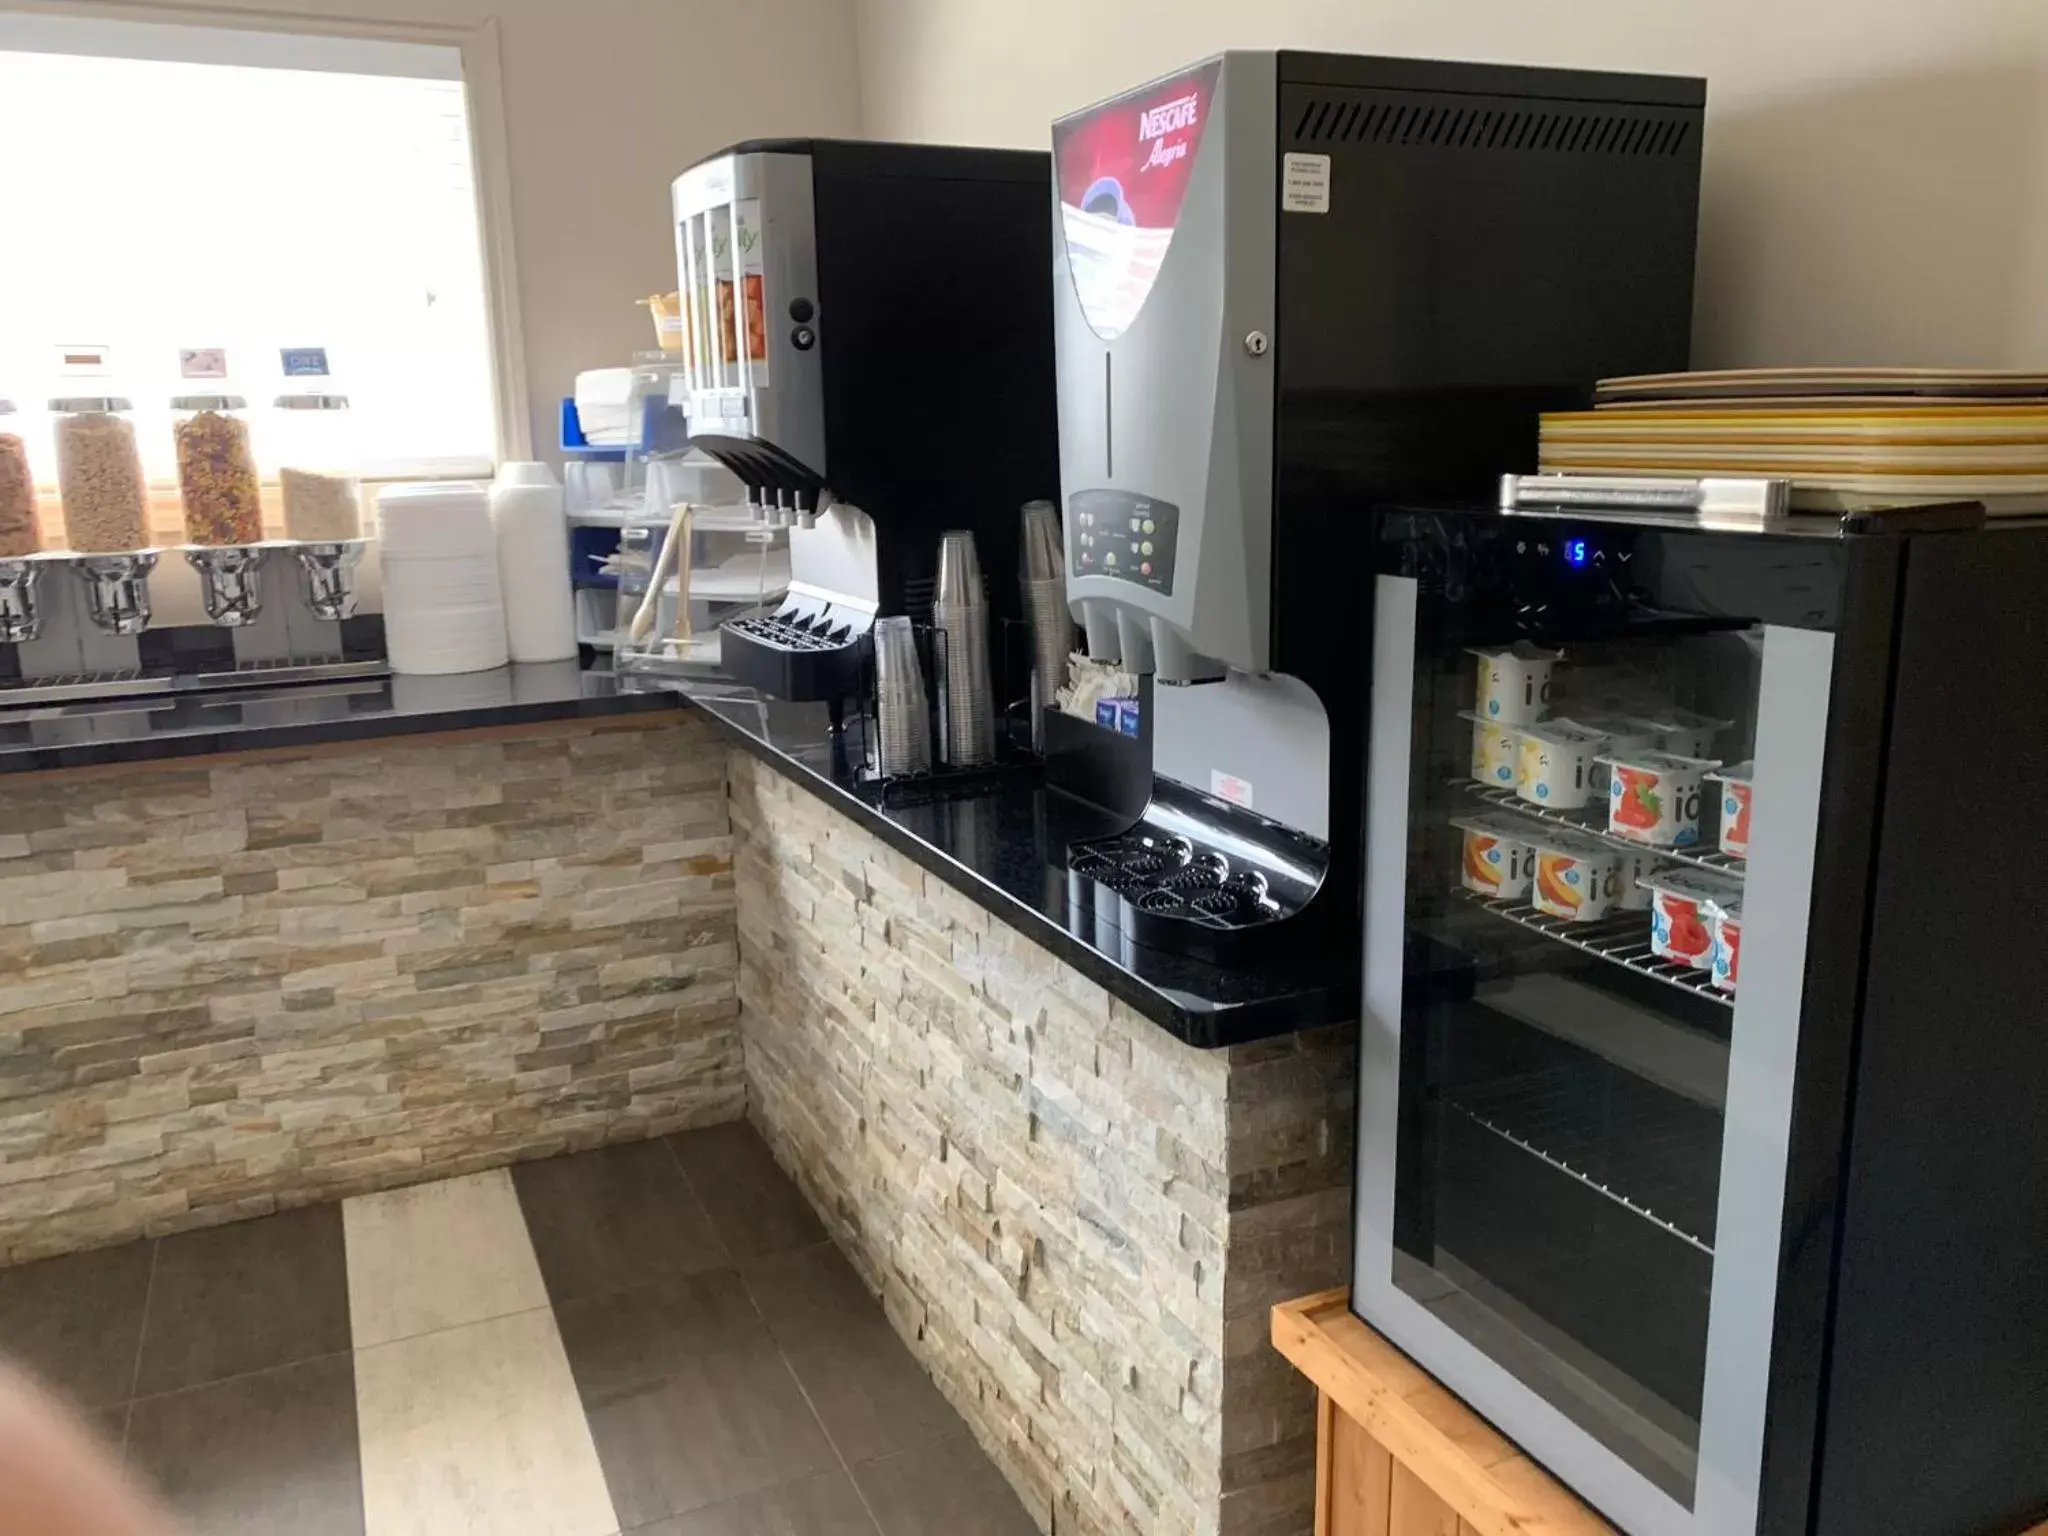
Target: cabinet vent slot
[(1330, 120)]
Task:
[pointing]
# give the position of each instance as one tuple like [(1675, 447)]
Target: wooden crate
[(1398, 1455)]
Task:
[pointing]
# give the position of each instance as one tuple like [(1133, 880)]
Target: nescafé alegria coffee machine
[(867, 344), (1289, 289)]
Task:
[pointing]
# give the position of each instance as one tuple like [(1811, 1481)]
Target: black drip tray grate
[(794, 634), (1172, 878)]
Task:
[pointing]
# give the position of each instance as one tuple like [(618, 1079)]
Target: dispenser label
[(1305, 184), (1132, 538), (1124, 169)]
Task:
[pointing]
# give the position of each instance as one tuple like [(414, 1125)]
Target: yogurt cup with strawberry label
[(1681, 907), (1500, 860), (1654, 798), (1736, 784), (1554, 766), (1622, 733), (1576, 879), (1724, 921), (1514, 682), (1495, 750)]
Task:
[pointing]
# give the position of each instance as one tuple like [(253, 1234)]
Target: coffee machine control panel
[(1125, 536)]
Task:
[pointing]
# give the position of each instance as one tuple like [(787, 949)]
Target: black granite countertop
[(132, 730), (1004, 847)]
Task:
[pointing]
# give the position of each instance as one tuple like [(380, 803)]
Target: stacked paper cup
[(444, 610)]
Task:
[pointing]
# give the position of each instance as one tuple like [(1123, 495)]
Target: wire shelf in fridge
[(1652, 1153), (1593, 823), (1623, 940)]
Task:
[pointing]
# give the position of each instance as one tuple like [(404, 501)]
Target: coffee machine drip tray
[(1196, 876)]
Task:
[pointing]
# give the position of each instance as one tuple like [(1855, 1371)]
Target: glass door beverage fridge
[(1702, 1134)]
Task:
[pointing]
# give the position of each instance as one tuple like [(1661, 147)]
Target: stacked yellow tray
[(1845, 438)]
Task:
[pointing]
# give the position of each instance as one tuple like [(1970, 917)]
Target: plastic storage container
[(21, 530), (217, 480), (313, 443), (99, 475)]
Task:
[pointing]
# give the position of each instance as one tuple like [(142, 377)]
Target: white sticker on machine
[(1228, 786), (1305, 184)]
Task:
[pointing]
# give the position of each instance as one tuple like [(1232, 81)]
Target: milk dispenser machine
[(1290, 288)]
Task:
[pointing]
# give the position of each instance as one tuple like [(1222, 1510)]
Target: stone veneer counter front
[(234, 984), (1077, 1220)]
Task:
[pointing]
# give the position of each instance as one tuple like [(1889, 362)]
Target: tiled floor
[(655, 1339)]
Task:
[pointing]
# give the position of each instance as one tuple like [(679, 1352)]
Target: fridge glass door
[(1593, 788)]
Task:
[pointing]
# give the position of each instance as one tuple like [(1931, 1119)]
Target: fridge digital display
[(1124, 169)]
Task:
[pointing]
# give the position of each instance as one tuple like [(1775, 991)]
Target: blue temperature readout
[(1577, 553)]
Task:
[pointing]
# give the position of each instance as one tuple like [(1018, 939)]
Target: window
[(185, 188)]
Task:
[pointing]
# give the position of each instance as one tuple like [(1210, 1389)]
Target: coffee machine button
[(1110, 558), (1150, 526), (803, 338), (800, 311), (1145, 548), (1145, 569)]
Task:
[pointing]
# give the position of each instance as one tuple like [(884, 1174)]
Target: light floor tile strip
[(436, 1256), (468, 1416)]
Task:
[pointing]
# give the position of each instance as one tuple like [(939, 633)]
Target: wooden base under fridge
[(1398, 1455)]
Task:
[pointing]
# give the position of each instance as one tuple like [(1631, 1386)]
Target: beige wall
[(605, 101), (1877, 170)]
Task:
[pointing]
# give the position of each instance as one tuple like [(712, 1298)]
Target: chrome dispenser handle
[(1733, 502)]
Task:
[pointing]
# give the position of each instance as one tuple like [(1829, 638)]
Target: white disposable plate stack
[(444, 609)]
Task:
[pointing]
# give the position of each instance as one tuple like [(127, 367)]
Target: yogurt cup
[(1554, 765), (1654, 798), (1724, 920), (1514, 682), (1495, 750), (1685, 734), (1576, 879), (1500, 859), (1637, 865), (1681, 911), (1735, 785), (1622, 733)]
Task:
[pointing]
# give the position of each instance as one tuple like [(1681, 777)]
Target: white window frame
[(489, 148)]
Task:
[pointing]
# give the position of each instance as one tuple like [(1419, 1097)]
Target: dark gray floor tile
[(245, 1297), (613, 1219), (637, 1338), (870, 1393), (723, 1425), (946, 1489), (807, 1294), (752, 1202), (75, 1322), (825, 1505), (271, 1452)]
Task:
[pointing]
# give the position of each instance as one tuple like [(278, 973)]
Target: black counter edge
[(1247, 1024), (369, 727)]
